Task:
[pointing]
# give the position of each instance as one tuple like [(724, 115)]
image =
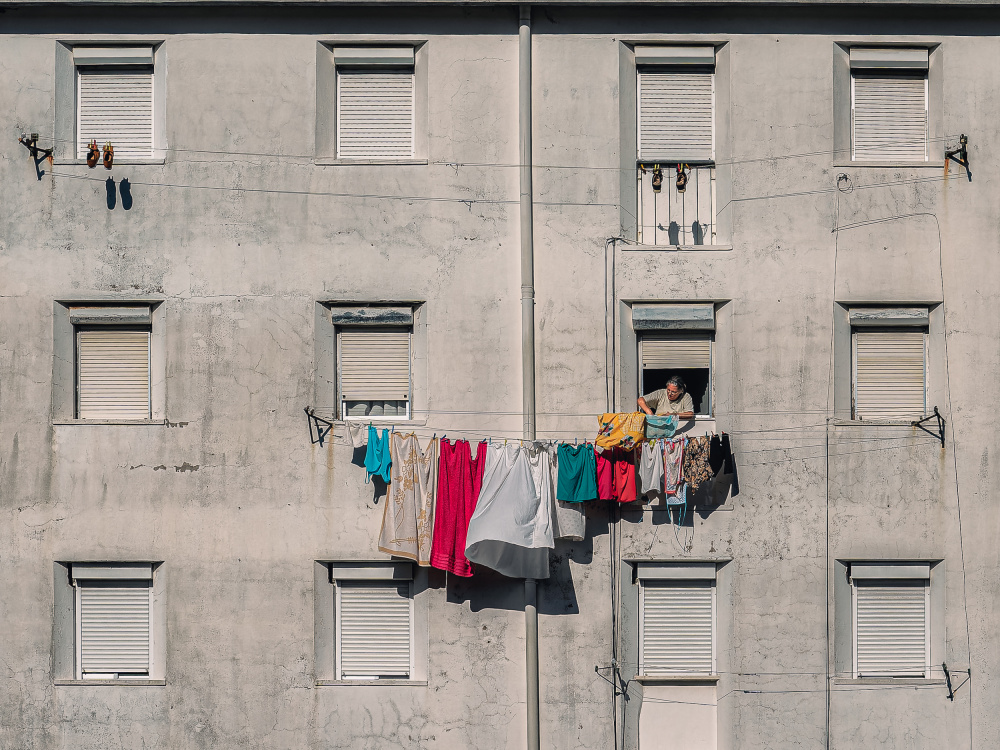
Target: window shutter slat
[(675, 352), (676, 115), (891, 629), (890, 118), (677, 623), (375, 113), (114, 629), (374, 623), (113, 374), (375, 365), (889, 374), (116, 105)]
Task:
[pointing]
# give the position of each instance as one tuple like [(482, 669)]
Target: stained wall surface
[(242, 238)]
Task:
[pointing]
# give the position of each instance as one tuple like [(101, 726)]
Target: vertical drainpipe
[(528, 346)]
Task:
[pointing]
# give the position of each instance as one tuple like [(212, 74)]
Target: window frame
[(926, 586), (79, 329), (338, 621), (341, 401), (892, 319), (927, 123), (644, 583), (708, 413)]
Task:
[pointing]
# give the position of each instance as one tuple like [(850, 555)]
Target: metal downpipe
[(528, 347)]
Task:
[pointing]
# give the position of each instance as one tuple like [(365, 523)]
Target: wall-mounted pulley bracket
[(319, 428), (939, 420), (30, 142), (960, 155)]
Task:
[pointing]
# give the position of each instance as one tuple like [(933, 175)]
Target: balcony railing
[(670, 216)]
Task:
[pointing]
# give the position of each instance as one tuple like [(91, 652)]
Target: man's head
[(676, 387)]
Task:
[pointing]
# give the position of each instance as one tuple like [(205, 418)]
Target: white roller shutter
[(891, 629), (678, 352), (677, 628), (676, 118), (112, 374), (116, 104), (375, 113), (374, 365), (889, 374), (114, 629), (890, 117), (374, 630)]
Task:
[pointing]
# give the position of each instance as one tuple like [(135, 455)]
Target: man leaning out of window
[(674, 399)]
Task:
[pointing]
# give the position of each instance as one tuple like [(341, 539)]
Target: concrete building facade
[(241, 242)]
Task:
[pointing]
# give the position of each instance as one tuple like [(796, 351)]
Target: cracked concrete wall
[(237, 504)]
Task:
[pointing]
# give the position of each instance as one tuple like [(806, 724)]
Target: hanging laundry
[(673, 457), (651, 468), (460, 478), (623, 462), (569, 521), (605, 476), (624, 430), (511, 530), (577, 473), (660, 427), (696, 466), (358, 434), (723, 465), (378, 459), (408, 518)]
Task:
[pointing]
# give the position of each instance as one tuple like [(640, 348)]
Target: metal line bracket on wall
[(939, 434), (319, 428), (960, 155)]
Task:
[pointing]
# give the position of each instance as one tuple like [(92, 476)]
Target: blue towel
[(660, 427)]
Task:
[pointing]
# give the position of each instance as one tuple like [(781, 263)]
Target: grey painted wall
[(241, 235)]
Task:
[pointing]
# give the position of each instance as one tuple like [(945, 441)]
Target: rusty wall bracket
[(319, 428), (960, 155), (939, 434)]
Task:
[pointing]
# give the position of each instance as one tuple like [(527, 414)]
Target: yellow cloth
[(625, 430)]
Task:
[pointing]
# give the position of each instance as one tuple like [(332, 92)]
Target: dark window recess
[(698, 382)]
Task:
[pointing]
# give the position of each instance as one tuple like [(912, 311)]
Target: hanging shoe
[(109, 155), (93, 154)]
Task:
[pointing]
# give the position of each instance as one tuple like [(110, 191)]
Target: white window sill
[(118, 683), (874, 422), (118, 163), (675, 248), (320, 161), (355, 683), (382, 422), (893, 164), (916, 681), (109, 421), (676, 679)]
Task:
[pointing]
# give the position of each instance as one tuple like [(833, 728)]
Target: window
[(113, 612), (375, 102), (114, 94), (677, 615), (675, 122), (892, 622), (676, 340), (889, 104), (112, 362), (889, 363), (373, 361), (369, 614)]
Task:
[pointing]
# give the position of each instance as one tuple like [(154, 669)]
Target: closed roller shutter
[(891, 629), (114, 629), (676, 115), (890, 118), (675, 352), (116, 105), (677, 628), (373, 630), (113, 374), (374, 113), (374, 365), (889, 374)]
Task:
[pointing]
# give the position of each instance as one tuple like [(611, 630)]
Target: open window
[(675, 121), (676, 340)]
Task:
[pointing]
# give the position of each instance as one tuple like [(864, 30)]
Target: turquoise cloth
[(378, 460), (660, 427), (577, 468)]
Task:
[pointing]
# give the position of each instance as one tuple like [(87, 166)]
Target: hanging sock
[(511, 530), (460, 479), (408, 518)]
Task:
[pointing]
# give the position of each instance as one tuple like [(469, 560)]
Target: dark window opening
[(698, 382)]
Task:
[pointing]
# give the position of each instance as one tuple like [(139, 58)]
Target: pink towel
[(605, 476), (460, 478)]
